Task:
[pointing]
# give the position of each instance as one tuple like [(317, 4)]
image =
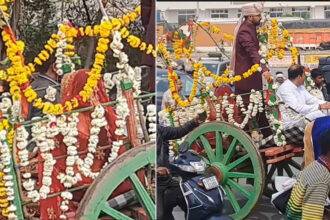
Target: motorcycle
[(203, 195)]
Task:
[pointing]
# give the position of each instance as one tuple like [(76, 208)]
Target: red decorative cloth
[(72, 84)]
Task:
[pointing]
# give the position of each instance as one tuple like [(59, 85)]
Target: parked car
[(216, 66), (162, 85)]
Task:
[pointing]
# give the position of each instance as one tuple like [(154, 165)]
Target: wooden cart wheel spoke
[(237, 162), (240, 175), (113, 212), (239, 188), (232, 199), (280, 170), (126, 168), (230, 151), (271, 171), (218, 146), (143, 195), (288, 170), (228, 163), (208, 148), (294, 164)]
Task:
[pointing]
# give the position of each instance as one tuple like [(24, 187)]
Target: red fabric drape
[(72, 84)]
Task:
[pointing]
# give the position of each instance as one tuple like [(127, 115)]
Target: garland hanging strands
[(18, 74)]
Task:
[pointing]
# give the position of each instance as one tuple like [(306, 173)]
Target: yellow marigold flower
[(69, 53), (74, 102), (20, 45), (3, 204), (31, 66), (3, 75), (55, 36), (14, 89), (106, 25), (3, 8), (143, 46), (96, 29), (138, 10), (38, 103), (42, 57), (58, 109), (45, 53), (132, 16), (49, 48), (104, 32), (124, 32), (47, 107), (89, 31), (116, 24), (215, 30), (69, 47), (104, 40), (72, 32), (69, 39), (154, 53), (126, 20), (37, 61), (16, 96), (81, 31)]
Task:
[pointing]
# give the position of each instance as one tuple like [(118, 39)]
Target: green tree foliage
[(38, 19)]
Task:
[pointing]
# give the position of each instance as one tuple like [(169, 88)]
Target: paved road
[(264, 210)]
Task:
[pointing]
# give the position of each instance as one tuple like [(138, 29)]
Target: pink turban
[(247, 9), (251, 9)]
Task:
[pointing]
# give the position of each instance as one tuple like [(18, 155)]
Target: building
[(307, 22), (229, 11)]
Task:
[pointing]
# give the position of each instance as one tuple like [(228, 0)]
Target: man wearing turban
[(245, 53)]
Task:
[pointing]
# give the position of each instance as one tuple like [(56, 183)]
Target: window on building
[(239, 13), (327, 11), (219, 13), (185, 15), (276, 12), (302, 12)]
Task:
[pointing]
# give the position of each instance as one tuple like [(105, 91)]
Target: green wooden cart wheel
[(234, 163), (124, 167)]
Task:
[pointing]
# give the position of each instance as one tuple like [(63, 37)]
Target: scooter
[(201, 190)]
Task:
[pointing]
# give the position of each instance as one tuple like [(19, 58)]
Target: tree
[(36, 20)]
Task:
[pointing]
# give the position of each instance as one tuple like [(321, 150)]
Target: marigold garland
[(277, 39), (172, 78), (18, 74)]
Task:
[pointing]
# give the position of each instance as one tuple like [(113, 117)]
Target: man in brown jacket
[(246, 54)]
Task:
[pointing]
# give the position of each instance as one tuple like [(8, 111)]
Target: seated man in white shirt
[(293, 93), (167, 96)]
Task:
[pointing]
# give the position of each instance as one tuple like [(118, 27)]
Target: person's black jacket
[(164, 134), (325, 94)]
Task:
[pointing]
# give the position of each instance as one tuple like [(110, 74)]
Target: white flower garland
[(151, 114), (6, 160), (67, 197), (277, 126), (50, 94), (61, 58), (98, 121), (69, 178), (44, 141), (255, 106)]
